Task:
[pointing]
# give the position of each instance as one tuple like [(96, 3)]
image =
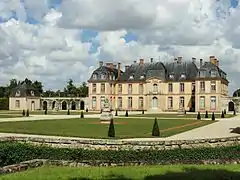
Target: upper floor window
[(181, 104), (103, 76), (102, 88), (213, 73), (95, 76), (155, 88), (181, 87), (170, 87), (17, 93), (32, 93), (140, 88), (213, 86), (202, 73), (202, 86), (131, 77), (129, 88), (94, 88), (119, 88)]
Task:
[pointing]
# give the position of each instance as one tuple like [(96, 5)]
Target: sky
[(54, 40)]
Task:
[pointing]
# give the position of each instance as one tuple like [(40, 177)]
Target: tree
[(213, 116), (198, 116), (222, 115), (111, 129), (206, 114), (38, 86), (83, 90), (70, 89), (155, 130)]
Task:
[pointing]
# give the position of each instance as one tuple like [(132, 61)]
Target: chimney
[(151, 60), (179, 59), (201, 62), (175, 59), (109, 65), (134, 62), (141, 61), (126, 67), (119, 70), (194, 60), (114, 66), (212, 59), (100, 63)]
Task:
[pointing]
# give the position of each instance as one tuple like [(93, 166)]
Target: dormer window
[(18, 93), (171, 76), (202, 73), (142, 77), (103, 76), (183, 76), (131, 77), (32, 93), (94, 76), (213, 73)]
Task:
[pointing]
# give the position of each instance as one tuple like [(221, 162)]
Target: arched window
[(103, 76), (155, 88), (94, 76)]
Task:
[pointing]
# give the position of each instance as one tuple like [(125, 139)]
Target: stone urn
[(106, 115)]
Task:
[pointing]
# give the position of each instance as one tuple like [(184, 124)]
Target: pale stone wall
[(30, 103)]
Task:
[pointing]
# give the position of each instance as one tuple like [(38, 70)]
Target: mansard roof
[(24, 90)]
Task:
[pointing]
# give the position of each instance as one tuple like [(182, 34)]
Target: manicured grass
[(175, 115), (9, 116), (62, 112), (124, 128), (169, 172)]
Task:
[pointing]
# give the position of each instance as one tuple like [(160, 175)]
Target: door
[(32, 106), (154, 102)]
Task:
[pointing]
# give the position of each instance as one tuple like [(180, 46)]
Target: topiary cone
[(155, 130)]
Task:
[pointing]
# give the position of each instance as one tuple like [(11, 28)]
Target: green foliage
[(126, 114), (45, 112), (155, 130), (206, 114), (87, 110), (4, 104), (13, 152), (213, 116), (68, 112), (82, 115), (222, 115), (185, 112), (198, 116), (23, 113), (27, 114), (111, 129), (116, 113), (225, 112), (142, 111), (234, 112)]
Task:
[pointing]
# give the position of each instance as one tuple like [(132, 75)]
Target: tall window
[(140, 103), (119, 88), (202, 86), (202, 103), (94, 88), (213, 86), (129, 102), (170, 102), (129, 88), (119, 102), (140, 88), (102, 101), (213, 73), (155, 88), (17, 104), (103, 76), (102, 88), (181, 87), (170, 87), (94, 102), (181, 102), (193, 86), (213, 103)]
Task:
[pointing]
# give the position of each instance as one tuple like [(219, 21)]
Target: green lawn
[(165, 115), (62, 112), (124, 128), (169, 172), (9, 115)]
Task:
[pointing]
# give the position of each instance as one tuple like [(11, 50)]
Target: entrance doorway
[(32, 106), (73, 105), (231, 106), (64, 105), (154, 102), (45, 105), (82, 105)]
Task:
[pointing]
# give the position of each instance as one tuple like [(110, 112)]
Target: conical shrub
[(27, 114), (116, 113), (155, 130), (111, 129), (206, 114), (126, 114), (23, 113), (45, 112), (234, 112), (87, 110), (68, 112), (213, 116), (222, 115), (225, 112), (142, 111), (198, 116), (82, 115)]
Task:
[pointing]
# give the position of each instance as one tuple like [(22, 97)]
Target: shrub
[(126, 114), (23, 113), (68, 112), (206, 114), (87, 110), (13, 152), (155, 130), (142, 111), (4, 103), (225, 112), (45, 112), (198, 116), (116, 113), (222, 115), (111, 129), (213, 116), (185, 112), (27, 114), (101, 111), (82, 115), (234, 112)]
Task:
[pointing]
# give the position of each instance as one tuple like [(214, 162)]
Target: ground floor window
[(119, 102), (170, 102), (129, 102), (154, 102), (181, 105), (202, 103), (140, 103), (94, 102), (17, 104), (102, 102), (213, 103)]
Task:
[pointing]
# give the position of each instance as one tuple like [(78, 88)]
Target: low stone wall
[(23, 166), (108, 144)]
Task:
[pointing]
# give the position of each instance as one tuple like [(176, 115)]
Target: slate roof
[(104, 70), (24, 90)]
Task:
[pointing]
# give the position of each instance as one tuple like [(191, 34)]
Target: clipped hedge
[(13, 152)]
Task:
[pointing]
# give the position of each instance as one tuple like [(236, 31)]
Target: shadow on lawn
[(235, 130), (187, 174)]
